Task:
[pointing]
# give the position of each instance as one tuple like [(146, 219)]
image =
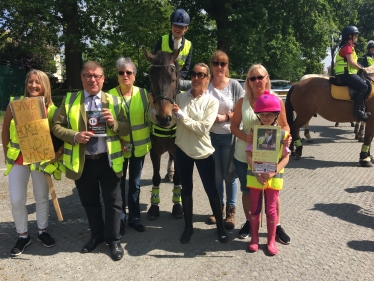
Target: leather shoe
[(92, 244), (116, 251), (138, 226)]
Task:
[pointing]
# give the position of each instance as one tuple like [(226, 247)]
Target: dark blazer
[(121, 128)]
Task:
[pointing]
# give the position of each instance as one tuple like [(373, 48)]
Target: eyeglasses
[(217, 63), (128, 73), (254, 78), (199, 75), (89, 76), (268, 115)]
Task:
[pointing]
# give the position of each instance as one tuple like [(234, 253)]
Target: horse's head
[(163, 76)]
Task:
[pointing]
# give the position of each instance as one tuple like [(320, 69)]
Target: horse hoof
[(310, 141), (360, 139), (308, 136), (356, 137), (366, 162), (371, 158), (153, 212), (352, 124), (336, 124), (177, 211)]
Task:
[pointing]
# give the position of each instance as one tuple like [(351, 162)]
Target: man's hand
[(83, 137), (108, 117)]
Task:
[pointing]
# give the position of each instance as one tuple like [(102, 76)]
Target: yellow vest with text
[(182, 54), (341, 65), (71, 152), (137, 114), (275, 182), (14, 148)]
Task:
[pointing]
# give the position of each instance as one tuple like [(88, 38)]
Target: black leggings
[(355, 82)]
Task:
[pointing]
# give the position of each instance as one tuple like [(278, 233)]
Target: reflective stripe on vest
[(182, 54), (275, 182), (341, 65), (138, 121), (71, 152)]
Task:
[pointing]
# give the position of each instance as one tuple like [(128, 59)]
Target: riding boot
[(358, 106), (216, 205), (255, 224), (188, 227)]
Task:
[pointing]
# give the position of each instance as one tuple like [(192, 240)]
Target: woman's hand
[(221, 118), (175, 108)]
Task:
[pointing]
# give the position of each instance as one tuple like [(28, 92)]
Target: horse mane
[(326, 76)]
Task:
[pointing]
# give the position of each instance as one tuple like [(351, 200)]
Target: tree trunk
[(73, 53)]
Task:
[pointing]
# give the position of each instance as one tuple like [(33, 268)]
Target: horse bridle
[(162, 97)]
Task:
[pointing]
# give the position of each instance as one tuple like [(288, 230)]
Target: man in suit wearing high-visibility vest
[(95, 163)]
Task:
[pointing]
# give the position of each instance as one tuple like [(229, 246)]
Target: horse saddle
[(340, 90)]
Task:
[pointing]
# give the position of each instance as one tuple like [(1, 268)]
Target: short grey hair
[(124, 62)]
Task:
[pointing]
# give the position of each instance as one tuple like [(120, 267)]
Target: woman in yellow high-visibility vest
[(36, 84)]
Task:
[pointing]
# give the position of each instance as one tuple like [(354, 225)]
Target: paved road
[(328, 210)]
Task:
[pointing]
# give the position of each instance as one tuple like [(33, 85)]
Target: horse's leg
[(154, 210), (361, 133), (177, 211), (307, 133), (365, 157), (170, 169), (357, 127), (295, 132)]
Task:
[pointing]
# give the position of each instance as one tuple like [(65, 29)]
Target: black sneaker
[(21, 244), (282, 236), (245, 230), (46, 239)]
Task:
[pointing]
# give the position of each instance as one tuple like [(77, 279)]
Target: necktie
[(92, 145)]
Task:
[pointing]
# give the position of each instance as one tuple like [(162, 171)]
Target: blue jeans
[(135, 172), (222, 146), (241, 169), (206, 170)]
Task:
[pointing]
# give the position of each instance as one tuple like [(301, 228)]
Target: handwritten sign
[(266, 146), (32, 129)]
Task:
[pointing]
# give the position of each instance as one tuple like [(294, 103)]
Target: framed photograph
[(266, 146)]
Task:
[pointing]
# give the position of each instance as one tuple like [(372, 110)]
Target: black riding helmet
[(370, 44), (349, 30), (180, 17)]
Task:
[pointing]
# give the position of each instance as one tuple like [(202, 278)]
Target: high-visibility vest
[(182, 54), (370, 59), (341, 64), (275, 182), (71, 152), (14, 148), (137, 114)]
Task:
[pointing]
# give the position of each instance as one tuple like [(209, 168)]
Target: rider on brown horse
[(346, 68)]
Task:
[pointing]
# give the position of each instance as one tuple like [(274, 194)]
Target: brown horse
[(313, 96), (163, 77)]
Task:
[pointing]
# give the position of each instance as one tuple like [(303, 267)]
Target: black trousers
[(98, 175)]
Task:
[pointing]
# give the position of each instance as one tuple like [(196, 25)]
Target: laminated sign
[(95, 123), (266, 146), (32, 129)]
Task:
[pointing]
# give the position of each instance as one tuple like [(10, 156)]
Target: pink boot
[(272, 245), (254, 222)]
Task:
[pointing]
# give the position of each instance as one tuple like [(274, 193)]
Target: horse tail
[(289, 107)]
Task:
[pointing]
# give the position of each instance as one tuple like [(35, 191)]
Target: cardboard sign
[(32, 129), (95, 123), (266, 146)]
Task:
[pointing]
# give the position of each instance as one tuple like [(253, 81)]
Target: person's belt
[(96, 156)]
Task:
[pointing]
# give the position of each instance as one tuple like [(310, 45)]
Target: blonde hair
[(261, 70), (208, 72), (44, 82), (221, 56)]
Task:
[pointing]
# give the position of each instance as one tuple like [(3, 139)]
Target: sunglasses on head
[(217, 63), (128, 73), (199, 75), (254, 78)]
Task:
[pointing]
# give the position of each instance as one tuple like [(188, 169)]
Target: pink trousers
[(271, 196)]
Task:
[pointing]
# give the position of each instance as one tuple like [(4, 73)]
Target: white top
[(195, 119)]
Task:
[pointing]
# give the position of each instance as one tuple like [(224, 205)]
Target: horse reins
[(162, 97)]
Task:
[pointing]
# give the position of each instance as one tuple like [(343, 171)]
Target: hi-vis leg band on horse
[(54, 197)]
